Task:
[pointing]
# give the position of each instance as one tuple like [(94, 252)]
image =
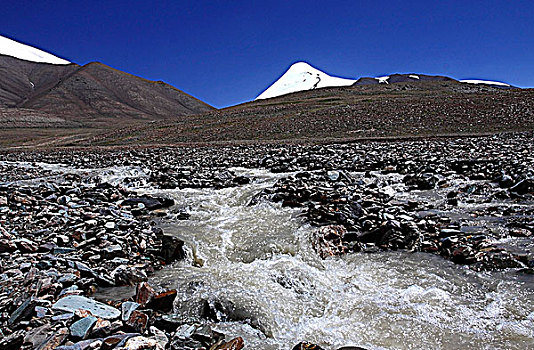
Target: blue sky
[(227, 52)]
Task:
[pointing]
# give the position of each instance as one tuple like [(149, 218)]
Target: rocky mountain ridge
[(301, 76)]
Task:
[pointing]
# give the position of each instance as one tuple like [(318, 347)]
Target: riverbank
[(77, 222)]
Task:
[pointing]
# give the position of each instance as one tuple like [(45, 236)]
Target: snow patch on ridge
[(18, 50), (487, 82), (383, 80), (301, 76)]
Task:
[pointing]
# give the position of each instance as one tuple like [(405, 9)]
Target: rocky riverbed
[(129, 248)]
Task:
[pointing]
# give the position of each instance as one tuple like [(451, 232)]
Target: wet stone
[(163, 301), (328, 240), (89, 344), (12, 341), (37, 336), (148, 202), (307, 346), (128, 275), (159, 336), (185, 331), (68, 279), (112, 251), (139, 343), (102, 328), (523, 187), (117, 340), (234, 344), (41, 311), (169, 323), (172, 248)]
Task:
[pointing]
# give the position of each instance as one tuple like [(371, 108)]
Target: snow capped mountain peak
[(302, 76), (15, 49)]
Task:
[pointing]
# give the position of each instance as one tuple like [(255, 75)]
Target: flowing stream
[(256, 264)]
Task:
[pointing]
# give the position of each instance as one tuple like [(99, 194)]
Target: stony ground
[(64, 234)]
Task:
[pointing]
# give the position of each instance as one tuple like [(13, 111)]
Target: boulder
[(327, 240), (127, 308), (137, 321), (163, 301), (172, 248)]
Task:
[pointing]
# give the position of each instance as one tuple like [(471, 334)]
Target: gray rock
[(127, 308), (23, 312), (54, 340), (128, 275), (81, 328), (112, 251), (72, 303), (82, 345), (37, 336)]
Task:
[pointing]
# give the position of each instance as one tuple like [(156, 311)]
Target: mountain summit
[(21, 51), (301, 76)]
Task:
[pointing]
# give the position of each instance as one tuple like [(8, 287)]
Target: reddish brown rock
[(144, 293), (137, 321), (234, 344)]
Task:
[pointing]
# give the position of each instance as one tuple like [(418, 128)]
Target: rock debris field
[(75, 221)]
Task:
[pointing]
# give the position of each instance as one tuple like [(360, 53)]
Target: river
[(256, 265)]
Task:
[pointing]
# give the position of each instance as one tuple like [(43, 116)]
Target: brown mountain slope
[(98, 94), (22, 80), (420, 109), (93, 96)]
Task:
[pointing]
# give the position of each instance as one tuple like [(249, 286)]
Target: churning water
[(255, 264)]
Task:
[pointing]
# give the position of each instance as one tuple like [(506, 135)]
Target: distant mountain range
[(47, 101), (36, 86), (301, 76)]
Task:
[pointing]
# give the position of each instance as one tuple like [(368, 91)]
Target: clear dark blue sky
[(227, 52)]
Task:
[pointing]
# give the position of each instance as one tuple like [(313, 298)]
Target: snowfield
[(15, 49)]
